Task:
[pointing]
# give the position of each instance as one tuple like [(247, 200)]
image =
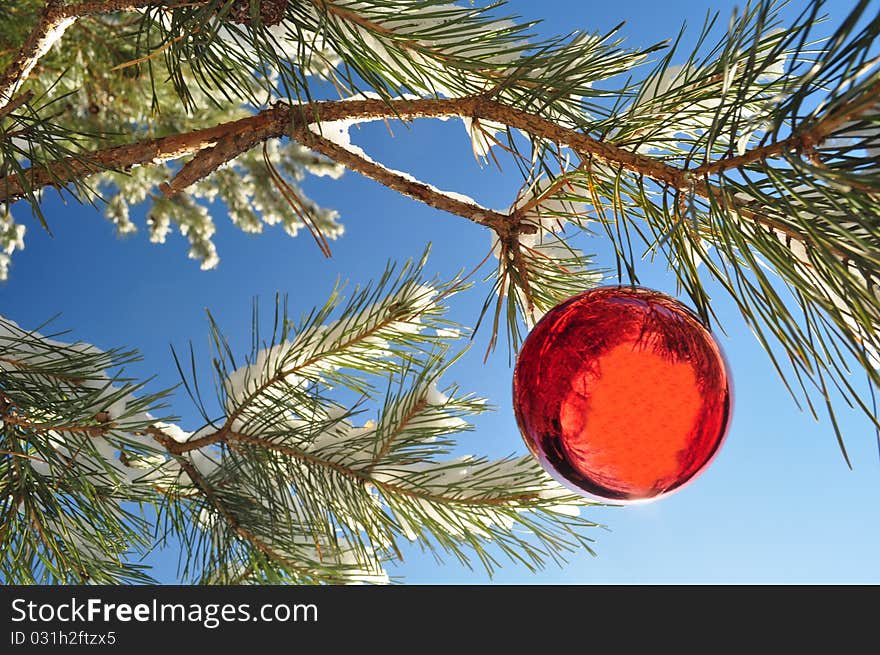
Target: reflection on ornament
[(622, 394)]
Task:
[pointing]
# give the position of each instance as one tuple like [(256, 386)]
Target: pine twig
[(15, 103), (402, 184), (233, 523), (805, 139)]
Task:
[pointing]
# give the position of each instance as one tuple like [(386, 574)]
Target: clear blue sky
[(777, 505)]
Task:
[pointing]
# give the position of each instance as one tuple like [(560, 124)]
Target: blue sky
[(777, 505)]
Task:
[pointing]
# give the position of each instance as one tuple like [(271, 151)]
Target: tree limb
[(228, 140), (268, 123), (54, 21), (403, 184), (282, 120)]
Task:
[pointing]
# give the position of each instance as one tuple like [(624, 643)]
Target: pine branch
[(51, 27), (302, 123), (61, 483), (222, 143), (55, 19), (405, 184), (296, 122), (243, 533), (284, 487), (282, 120), (16, 103), (276, 419), (227, 436), (268, 124), (803, 140)]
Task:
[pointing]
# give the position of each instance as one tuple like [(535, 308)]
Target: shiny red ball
[(622, 393)]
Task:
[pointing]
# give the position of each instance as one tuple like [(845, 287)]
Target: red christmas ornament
[(622, 394)]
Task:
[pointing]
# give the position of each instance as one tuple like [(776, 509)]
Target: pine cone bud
[(271, 11)]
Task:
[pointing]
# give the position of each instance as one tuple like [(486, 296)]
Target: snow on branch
[(54, 21), (73, 442), (297, 121)]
